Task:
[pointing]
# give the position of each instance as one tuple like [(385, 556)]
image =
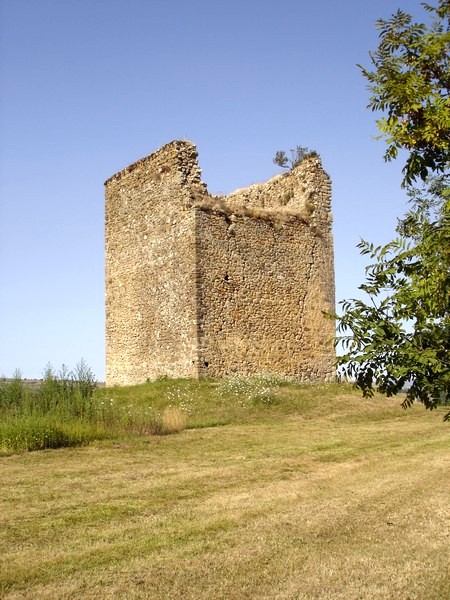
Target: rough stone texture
[(208, 286)]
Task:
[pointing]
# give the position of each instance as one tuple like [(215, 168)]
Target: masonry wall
[(262, 289), (265, 267), (150, 267), (205, 286)]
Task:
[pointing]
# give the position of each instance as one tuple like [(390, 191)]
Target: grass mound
[(68, 410), (314, 494)]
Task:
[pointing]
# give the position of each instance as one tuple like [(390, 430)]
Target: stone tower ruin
[(203, 286)]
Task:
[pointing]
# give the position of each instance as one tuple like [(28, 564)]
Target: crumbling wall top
[(178, 156), (303, 192)]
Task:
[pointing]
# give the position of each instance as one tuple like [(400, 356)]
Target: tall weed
[(60, 411), (14, 395)]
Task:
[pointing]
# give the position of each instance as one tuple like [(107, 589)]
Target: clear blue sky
[(89, 86)]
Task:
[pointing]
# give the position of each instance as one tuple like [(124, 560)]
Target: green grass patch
[(67, 409), (24, 434), (287, 500)]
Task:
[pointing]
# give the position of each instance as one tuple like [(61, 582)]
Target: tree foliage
[(411, 85), (401, 336)]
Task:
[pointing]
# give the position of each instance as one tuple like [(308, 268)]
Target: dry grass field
[(339, 497)]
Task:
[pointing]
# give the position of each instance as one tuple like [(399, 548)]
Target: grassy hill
[(269, 490)]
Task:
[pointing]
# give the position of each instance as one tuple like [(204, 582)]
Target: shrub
[(298, 154)]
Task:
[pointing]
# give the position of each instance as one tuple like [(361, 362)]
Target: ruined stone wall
[(150, 267), (204, 286), (262, 289), (265, 275)]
